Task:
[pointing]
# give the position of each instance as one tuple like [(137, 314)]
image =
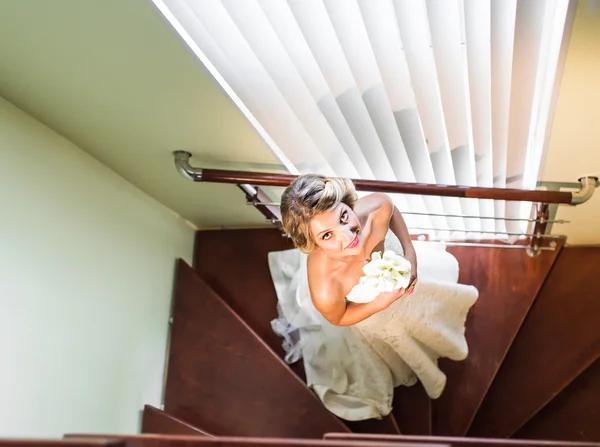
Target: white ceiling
[(113, 78)]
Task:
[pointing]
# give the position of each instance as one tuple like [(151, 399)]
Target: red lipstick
[(354, 242)]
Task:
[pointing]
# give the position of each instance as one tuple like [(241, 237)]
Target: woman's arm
[(340, 313), (384, 215), (398, 227), (357, 312)]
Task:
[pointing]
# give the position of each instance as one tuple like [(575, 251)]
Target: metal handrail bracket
[(585, 193), (182, 163)]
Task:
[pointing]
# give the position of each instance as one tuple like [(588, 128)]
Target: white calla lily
[(386, 272)]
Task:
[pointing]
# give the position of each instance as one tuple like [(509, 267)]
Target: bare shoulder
[(326, 291)]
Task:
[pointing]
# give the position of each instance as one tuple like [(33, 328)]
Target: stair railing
[(538, 239)]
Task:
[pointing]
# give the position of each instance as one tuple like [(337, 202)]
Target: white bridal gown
[(354, 369)]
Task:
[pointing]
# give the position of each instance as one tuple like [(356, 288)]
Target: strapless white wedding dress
[(354, 369)]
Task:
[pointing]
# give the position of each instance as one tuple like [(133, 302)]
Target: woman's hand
[(384, 299), (413, 273)]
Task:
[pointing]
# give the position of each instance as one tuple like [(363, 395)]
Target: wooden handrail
[(588, 185), (268, 179)]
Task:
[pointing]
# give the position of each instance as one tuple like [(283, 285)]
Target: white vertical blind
[(432, 91), (527, 42), (414, 31), (478, 43), (386, 43), (446, 22), (503, 14), (550, 46)]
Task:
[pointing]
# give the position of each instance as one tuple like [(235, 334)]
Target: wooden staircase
[(508, 282), (223, 378), (559, 340), (533, 370)]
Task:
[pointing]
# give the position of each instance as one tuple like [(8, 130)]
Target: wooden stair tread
[(558, 340), (505, 296), (204, 441), (244, 252), (454, 441), (387, 425), (97, 441), (159, 422), (573, 415), (224, 378), (412, 409)]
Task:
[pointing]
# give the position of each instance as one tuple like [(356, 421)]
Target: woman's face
[(337, 232)]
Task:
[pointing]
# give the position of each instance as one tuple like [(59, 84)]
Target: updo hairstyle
[(307, 196)]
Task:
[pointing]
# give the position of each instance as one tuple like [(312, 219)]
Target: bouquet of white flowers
[(384, 273)]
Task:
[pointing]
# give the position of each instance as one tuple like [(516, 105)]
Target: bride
[(356, 353)]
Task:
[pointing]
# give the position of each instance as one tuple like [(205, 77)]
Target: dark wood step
[(224, 378), (558, 340), (159, 422), (98, 441), (455, 441), (203, 441), (234, 264), (412, 409), (508, 281), (386, 425), (573, 415)]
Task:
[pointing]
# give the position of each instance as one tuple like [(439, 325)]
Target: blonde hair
[(307, 196)]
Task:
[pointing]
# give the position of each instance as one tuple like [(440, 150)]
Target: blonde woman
[(356, 353), (339, 232)]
